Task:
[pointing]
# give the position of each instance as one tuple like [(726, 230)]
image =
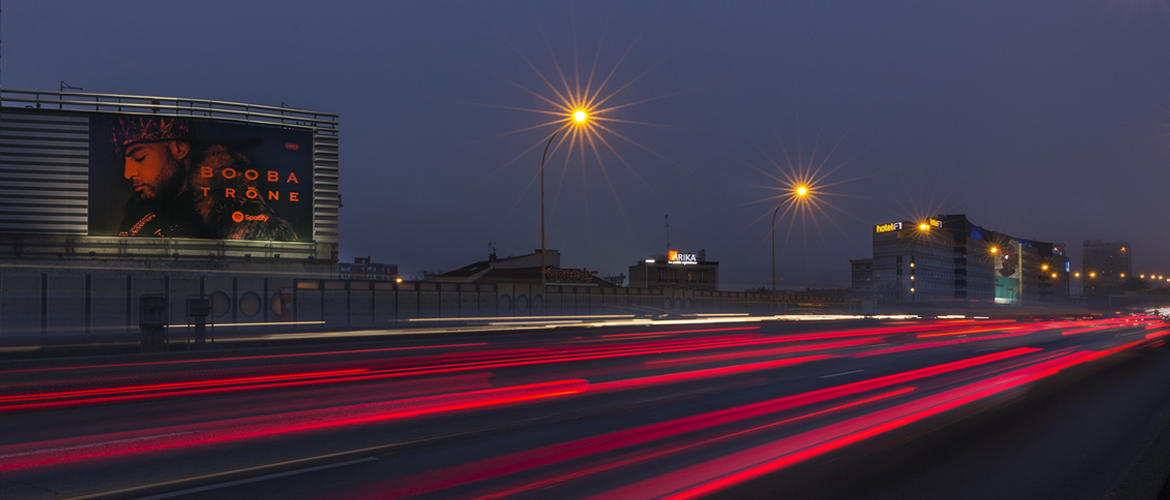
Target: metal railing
[(149, 105)]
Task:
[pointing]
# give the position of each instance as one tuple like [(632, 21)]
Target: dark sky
[(1048, 120)]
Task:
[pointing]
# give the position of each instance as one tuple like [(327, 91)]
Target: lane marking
[(840, 374), (255, 479), (91, 445), (121, 493)]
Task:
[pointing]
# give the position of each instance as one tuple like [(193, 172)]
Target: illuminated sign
[(674, 257), (885, 228), (934, 222), (557, 275)]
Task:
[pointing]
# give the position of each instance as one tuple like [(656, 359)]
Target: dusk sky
[(1047, 120)]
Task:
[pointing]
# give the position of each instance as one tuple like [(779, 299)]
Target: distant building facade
[(363, 269), (1105, 265), (676, 270), (949, 259), (861, 278)]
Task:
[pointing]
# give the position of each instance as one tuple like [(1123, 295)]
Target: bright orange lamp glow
[(580, 116)]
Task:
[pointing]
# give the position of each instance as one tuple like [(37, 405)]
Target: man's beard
[(168, 183)]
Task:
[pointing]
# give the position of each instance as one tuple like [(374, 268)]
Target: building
[(523, 269), (950, 259), (861, 282), (1106, 265), (262, 183), (676, 270), (84, 231), (363, 269)]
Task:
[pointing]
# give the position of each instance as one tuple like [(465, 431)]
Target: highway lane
[(664, 412)]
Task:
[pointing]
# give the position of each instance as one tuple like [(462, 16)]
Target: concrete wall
[(47, 303)]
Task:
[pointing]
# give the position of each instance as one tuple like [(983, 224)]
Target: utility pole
[(667, 232)]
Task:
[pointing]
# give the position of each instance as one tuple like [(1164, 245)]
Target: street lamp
[(579, 116), (799, 192)]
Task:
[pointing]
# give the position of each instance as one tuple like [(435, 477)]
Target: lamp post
[(799, 192), (579, 117)]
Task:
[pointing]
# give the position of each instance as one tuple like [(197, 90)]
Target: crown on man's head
[(127, 130)]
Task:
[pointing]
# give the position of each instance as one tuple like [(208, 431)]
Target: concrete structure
[(53, 304), (948, 259), (676, 270)]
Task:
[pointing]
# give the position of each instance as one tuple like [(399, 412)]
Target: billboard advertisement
[(179, 177), (1007, 273)]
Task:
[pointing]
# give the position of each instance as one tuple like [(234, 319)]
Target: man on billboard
[(173, 177)]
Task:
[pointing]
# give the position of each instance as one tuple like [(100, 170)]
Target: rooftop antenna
[(667, 232), (491, 248), (66, 86)]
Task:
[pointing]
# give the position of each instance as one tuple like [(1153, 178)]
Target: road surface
[(1009, 408)]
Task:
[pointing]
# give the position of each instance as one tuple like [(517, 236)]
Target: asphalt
[(1094, 430)]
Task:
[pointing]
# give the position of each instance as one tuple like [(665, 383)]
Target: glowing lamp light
[(1054, 275), (923, 226), (1122, 275), (1077, 275), (579, 116), (1044, 267), (1092, 275), (994, 250), (399, 280), (801, 191)]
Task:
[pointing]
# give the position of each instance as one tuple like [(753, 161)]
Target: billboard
[(1007, 273), (180, 177)]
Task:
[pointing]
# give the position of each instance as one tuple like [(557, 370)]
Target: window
[(221, 304), (250, 303)]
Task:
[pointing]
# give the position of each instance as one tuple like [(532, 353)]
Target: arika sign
[(675, 257)]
